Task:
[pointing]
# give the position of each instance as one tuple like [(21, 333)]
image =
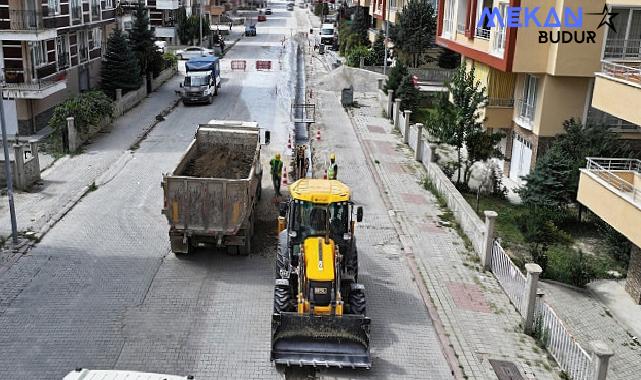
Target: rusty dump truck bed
[(211, 195)]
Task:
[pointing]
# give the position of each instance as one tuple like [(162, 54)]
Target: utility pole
[(200, 15), (7, 169), (386, 36)]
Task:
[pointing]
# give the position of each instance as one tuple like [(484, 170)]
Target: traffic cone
[(289, 143), (284, 181), (318, 134)]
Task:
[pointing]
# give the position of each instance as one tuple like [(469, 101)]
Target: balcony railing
[(525, 110), (607, 168), (622, 49), (15, 80), (500, 102), (76, 12), (483, 33), (25, 20), (630, 71)]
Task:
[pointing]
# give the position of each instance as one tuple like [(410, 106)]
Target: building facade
[(611, 187), (532, 86), (50, 50)]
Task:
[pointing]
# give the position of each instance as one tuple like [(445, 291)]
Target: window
[(484, 30), (461, 16), (498, 45), (448, 18), (95, 9), (109, 4), (82, 46), (625, 42), (529, 97), (62, 51), (392, 3), (54, 7), (76, 9), (97, 38), (39, 53)]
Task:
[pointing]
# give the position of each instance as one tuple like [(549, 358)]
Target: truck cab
[(327, 34), (202, 80)]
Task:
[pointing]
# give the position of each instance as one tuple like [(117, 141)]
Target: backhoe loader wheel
[(351, 264), (281, 261), (282, 299), (357, 302)]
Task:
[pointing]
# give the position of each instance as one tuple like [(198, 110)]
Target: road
[(103, 290)]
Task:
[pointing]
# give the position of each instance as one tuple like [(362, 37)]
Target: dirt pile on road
[(343, 77), (220, 162)]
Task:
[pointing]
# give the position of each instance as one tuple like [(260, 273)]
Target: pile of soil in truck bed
[(220, 162)]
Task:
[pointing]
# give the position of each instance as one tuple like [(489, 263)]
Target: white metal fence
[(509, 276), (573, 359)]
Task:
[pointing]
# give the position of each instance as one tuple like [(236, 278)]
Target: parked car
[(193, 51), (250, 30), (268, 11), (290, 6)]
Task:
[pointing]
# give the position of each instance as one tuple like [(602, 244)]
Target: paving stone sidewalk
[(476, 314), (587, 319), (68, 178)]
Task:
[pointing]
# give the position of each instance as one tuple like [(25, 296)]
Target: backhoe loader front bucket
[(320, 340)]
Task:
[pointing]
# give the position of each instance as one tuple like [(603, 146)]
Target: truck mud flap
[(321, 340)]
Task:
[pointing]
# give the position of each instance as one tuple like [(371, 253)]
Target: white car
[(193, 51)]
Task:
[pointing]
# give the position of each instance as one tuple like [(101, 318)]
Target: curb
[(408, 253)]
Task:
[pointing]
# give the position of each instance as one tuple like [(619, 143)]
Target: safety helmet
[(277, 156), (332, 156)]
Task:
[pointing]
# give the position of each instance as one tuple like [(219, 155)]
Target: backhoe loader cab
[(319, 307)]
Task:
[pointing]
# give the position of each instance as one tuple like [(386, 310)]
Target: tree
[(120, 67), (395, 76), (449, 59), (481, 146), (540, 231), (359, 27), (355, 55), (462, 121), (555, 179), (408, 94), (186, 29), (141, 38), (415, 29), (378, 50)]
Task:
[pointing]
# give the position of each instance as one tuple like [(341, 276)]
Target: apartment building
[(162, 16), (50, 50), (532, 86), (611, 187)]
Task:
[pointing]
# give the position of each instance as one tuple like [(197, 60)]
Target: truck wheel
[(351, 264), (282, 299), (232, 250), (177, 246), (245, 250), (357, 302), (211, 99)]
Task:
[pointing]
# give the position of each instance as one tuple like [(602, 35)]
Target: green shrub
[(87, 109), (395, 76), (355, 55)]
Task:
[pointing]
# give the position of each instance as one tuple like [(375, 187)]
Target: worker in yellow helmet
[(332, 171), (276, 170)]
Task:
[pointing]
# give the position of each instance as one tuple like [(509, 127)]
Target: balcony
[(498, 113), (27, 25), (168, 4), (15, 85), (618, 86), (483, 33), (611, 188), (524, 115)]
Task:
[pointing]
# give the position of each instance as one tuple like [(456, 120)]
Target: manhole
[(505, 370)]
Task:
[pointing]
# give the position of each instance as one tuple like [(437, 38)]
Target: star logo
[(607, 18)]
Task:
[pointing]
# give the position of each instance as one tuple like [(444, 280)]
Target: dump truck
[(210, 198), (319, 306)]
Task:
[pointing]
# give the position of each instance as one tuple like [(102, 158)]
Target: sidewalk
[(69, 178), (588, 319), (478, 319)]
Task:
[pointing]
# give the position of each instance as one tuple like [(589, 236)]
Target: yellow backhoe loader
[(319, 306)]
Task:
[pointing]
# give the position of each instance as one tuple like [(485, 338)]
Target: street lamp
[(7, 170)]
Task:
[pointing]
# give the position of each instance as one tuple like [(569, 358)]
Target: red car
[(261, 18)]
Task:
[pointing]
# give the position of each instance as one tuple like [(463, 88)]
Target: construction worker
[(332, 171), (276, 170)]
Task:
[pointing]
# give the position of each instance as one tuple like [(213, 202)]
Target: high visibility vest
[(331, 171), (276, 167)]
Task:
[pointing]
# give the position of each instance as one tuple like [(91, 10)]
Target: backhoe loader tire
[(357, 302), (282, 299), (282, 261), (351, 264)]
